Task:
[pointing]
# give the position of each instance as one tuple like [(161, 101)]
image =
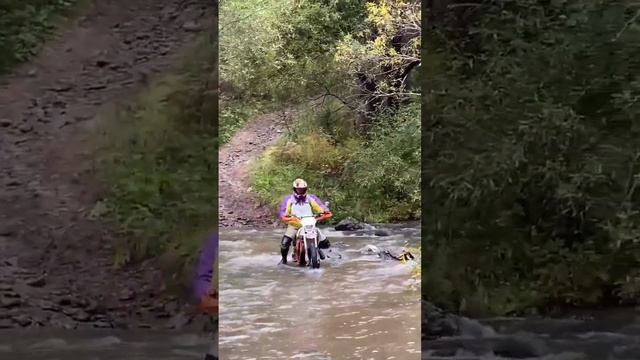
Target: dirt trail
[(55, 262), (236, 204)]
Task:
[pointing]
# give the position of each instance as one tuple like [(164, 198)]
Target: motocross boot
[(284, 248), (323, 244)]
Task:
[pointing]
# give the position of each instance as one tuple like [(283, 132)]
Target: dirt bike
[(306, 245)]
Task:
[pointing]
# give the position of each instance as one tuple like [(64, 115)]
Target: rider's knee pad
[(286, 242), (324, 244)]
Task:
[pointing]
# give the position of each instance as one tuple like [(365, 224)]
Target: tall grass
[(160, 160)]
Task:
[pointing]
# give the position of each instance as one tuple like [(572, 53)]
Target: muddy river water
[(356, 306)]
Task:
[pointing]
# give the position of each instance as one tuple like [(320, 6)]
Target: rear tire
[(313, 256)]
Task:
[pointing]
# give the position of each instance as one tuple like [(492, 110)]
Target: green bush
[(24, 25), (377, 179), (234, 115), (531, 164)]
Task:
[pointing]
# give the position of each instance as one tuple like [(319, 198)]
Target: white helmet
[(299, 188)]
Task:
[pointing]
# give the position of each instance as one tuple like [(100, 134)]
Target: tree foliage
[(532, 158), (313, 55), (380, 58)]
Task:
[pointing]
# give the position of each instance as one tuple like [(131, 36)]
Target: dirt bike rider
[(294, 207), (205, 288)]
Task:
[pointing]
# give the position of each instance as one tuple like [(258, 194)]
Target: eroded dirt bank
[(238, 208)]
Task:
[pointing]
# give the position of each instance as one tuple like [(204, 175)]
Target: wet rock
[(48, 305), (127, 295), (23, 320), (6, 324), (92, 307), (519, 348), (170, 13), (102, 62), (58, 103), (191, 26), (96, 86), (62, 87), (473, 328), (37, 282), (102, 325), (65, 300), (13, 182), (381, 233), (59, 320), (81, 316), (25, 128), (163, 315), (436, 324), (349, 224), (12, 261), (9, 302)]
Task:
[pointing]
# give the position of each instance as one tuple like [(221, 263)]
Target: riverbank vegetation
[(532, 163), (348, 70)]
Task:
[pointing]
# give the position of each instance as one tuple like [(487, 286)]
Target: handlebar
[(314, 216)]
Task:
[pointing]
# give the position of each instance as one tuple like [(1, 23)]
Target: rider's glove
[(209, 303)]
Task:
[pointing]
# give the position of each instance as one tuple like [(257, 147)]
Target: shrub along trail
[(55, 262)]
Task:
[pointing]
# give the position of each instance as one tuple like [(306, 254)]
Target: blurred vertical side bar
[(427, 6), (206, 283)]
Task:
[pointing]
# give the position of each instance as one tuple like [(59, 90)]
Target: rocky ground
[(606, 334), (55, 260)]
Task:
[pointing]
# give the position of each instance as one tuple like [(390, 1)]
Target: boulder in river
[(519, 347), (449, 335), (380, 232), (349, 224), (437, 324)]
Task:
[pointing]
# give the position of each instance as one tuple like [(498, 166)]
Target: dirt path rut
[(236, 204), (55, 262)]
